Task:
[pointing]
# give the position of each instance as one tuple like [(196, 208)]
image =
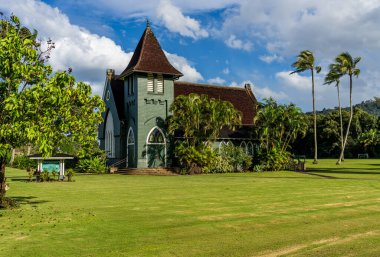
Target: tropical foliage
[(96, 164), (236, 157), (199, 120), (36, 105), (305, 62), (277, 126), (363, 132)]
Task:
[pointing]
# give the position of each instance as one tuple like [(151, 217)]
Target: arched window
[(130, 148), (243, 145), (250, 148), (156, 148), (221, 144), (229, 143), (109, 137)]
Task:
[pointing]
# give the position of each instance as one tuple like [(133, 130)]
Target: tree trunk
[(29, 149), (12, 157), (341, 121), (2, 178), (315, 121), (348, 126)]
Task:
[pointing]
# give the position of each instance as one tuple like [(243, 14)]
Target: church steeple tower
[(149, 57)]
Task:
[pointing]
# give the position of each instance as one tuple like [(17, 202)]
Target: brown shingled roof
[(242, 98), (149, 57)]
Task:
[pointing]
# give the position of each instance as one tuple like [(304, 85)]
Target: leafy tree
[(345, 64), (329, 136), (305, 61), (333, 76), (36, 105), (277, 126), (200, 119), (370, 138)]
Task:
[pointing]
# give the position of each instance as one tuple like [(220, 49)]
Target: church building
[(138, 102)]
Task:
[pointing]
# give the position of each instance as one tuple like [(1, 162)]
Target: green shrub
[(218, 165), (236, 157), (258, 168), (70, 174), (45, 176), (275, 159), (23, 162), (54, 174), (93, 165), (194, 159)]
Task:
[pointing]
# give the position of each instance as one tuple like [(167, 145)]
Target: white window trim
[(130, 133), (147, 144)]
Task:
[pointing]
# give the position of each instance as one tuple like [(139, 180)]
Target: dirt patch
[(318, 244), (21, 238), (227, 216)]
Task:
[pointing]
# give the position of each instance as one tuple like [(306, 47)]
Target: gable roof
[(149, 57), (242, 98)]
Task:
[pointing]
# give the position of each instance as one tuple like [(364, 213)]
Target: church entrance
[(156, 148)]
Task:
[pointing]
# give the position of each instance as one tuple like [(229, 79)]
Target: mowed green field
[(329, 211)]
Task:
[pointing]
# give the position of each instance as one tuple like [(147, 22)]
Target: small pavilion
[(52, 163)]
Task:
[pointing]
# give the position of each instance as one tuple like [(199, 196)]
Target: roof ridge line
[(210, 85), (142, 48)]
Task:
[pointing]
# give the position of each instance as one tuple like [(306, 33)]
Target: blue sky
[(225, 42)]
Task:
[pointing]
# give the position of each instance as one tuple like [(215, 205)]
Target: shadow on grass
[(347, 171), (18, 179), (27, 200), (340, 178)]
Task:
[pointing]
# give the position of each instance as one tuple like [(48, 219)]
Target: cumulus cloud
[(216, 80), (299, 91), (262, 92), (295, 80), (89, 55), (182, 64), (236, 43), (271, 58), (175, 21), (285, 27)]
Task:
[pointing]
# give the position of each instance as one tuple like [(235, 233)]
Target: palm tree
[(305, 61), (334, 77), (346, 65)]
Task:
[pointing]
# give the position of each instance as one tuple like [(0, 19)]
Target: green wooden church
[(138, 102)]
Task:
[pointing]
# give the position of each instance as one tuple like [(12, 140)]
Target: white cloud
[(236, 43), (299, 91), (175, 21), (226, 71), (89, 55), (261, 92), (294, 80), (271, 58), (189, 73), (266, 92), (216, 80)]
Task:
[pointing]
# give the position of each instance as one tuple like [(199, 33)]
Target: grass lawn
[(329, 211)]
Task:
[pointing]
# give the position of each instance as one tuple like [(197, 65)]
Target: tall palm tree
[(346, 65), (305, 61), (333, 76)]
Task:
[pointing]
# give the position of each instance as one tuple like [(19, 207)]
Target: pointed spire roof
[(149, 57)]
